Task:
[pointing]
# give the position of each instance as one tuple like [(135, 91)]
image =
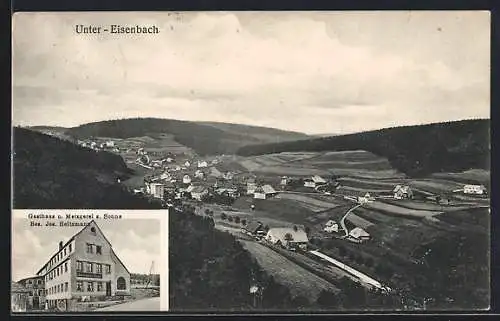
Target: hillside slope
[(54, 173), (205, 139), (413, 150)]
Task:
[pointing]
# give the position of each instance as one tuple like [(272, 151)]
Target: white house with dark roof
[(264, 192), (314, 181), (288, 237)]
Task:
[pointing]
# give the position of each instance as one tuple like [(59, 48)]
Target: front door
[(36, 304), (108, 288)]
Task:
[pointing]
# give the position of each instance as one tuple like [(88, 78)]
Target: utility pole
[(151, 271)]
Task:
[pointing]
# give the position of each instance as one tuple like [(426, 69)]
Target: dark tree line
[(448, 146)]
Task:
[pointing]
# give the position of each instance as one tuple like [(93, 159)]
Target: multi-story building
[(35, 287), (85, 268)]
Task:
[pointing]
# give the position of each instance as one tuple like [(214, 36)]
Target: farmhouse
[(288, 237), (165, 175), (202, 164), (359, 234), (284, 181), (187, 164), (264, 192), (331, 226), (36, 292), (251, 186), (229, 191), (474, 189), (86, 266), (254, 227), (18, 297), (402, 192), (365, 199), (198, 192), (314, 181)]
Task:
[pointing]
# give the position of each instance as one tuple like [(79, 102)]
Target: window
[(40, 292), (98, 249), (120, 284), (92, 229), (57, 271), (98, 268), (64, 251), (39, 281), (99, 286), (79, 266), (31, 293), (90, 286), (108, 269), (89, 248), (58, 288), (29, 281), (79, 286), (66, 287), (88, 267), (66, 267), (70, 248)]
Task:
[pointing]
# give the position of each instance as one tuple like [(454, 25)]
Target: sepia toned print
[(82, 271), (309, 161)]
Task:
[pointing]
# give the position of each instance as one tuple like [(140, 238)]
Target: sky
[(135, 242), (312, 72)]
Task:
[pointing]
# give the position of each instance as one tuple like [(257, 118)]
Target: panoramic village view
[(323, 171)]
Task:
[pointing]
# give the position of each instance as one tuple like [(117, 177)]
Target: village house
[(110, 143), (36, 295), (365, 199), (229, 191), (359, 234), (187, 164), (157, 189), (186, 179), (199, 174), (402, 192), (254, 227), (228, 175), (284, 181), (197, 192), (331, 226), (202, 164), (474, 189), (18, 297), (288, 237), (264, 192), (84, 268), (251, 186), (314, 181)]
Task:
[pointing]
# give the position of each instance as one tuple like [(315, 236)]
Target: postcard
[(309, 161)]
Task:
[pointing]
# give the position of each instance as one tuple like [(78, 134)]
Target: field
[(473, 176), (300, 281), (313, 204), (426, 206), (397, 210)]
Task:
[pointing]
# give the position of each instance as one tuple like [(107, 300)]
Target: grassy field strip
[(299, 280), (470, 176), (306, 199), (397, 210), (348, 180), (414, 205), (359, 221), (291, 170), (375, 174), (250, 165), (370, 190)]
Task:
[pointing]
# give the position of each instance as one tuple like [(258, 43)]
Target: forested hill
[(414, 150), (204, 138), (54, 173)]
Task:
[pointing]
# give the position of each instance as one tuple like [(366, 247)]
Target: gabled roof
[(318, 179), (266, 189), (402, 188), (253, 226), (280, 232), (77, 234), (358, 232)]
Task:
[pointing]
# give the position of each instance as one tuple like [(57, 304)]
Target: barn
[(288, 237)]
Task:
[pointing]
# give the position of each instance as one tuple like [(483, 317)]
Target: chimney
[(60, 245)]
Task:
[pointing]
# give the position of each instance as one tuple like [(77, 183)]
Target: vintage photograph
[(309, 161), (87, 261)]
